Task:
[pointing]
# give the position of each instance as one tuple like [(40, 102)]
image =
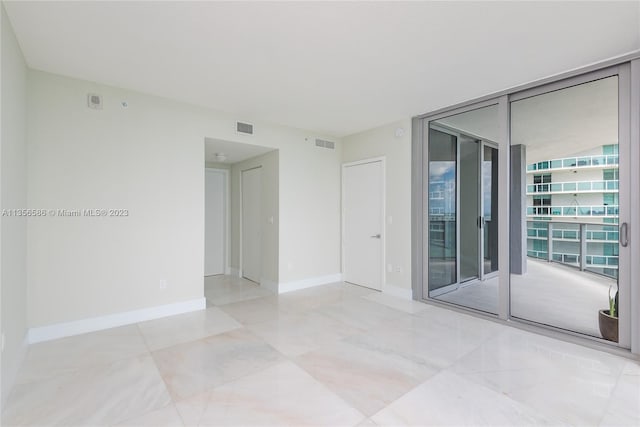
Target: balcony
[(587, 247), (550, 293), (605, 186), (599, 161), (597, 211)]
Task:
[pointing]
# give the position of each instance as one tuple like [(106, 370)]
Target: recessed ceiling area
[(233, 152), (335, 68)]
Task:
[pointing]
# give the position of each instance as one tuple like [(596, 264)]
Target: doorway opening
[(241, 261)]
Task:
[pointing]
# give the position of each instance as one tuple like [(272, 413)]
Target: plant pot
[(608, 326)]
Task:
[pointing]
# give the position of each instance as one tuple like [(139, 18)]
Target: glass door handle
[(624, 239)]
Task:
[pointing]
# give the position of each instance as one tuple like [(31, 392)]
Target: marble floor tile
[(237, 296), (632, 368), (51, 358), (563, 381), (514, 349), (408, 306), (168, 331), (337, 354), (296, 334), (366, 377), (462, 321), (449, 400), (99, 395), (194, 367), (355, 290), (224, 284), (220, 290), (624, 405), (255, 310), (320, 296), (422, 340), (282, 394), (360, 313), (163, 417)]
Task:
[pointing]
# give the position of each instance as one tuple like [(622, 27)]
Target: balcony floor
[(549, 293)]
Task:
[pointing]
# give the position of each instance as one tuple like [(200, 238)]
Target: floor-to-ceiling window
[(568, 141), (524, 206)]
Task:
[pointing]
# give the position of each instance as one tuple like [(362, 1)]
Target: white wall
[(13, 231), (148, 158), (270, 201), (309, 212), (379, 142)]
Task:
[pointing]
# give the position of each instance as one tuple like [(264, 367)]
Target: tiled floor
[(334, 355)]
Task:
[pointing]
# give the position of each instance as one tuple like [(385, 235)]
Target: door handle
[(624, 239), (376, 236)]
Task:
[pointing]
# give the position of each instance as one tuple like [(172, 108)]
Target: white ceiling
[(335, 68), (553, 125), (234, 151)]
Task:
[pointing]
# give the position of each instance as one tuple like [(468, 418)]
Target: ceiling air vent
[(94, 101), (244, 128), (325, 144)]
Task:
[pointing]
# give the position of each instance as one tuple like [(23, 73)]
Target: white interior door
[(251, 224), (363, 203), (214, 224)]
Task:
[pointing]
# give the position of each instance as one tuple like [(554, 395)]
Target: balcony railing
[(591, 247), (599, 211), (605, 160), (606, 186)]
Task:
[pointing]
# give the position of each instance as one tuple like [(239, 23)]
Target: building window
[(610, 174), (610, 149), (541, 205), (541, 183), (610, 199)]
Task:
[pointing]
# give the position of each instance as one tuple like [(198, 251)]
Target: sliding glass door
[(462, 209), (525, 206), (569, 151)]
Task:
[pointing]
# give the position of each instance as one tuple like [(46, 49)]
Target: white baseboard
[(77, 327), (10, 375), (269, 284), (398, 292), (308, 283)]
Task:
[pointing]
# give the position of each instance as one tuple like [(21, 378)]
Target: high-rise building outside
[(575, 201)]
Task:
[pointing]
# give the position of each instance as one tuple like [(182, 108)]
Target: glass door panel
[(565, 144), (443, 149), (461, 227)]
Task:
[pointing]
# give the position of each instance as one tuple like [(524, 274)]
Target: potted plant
[(608, 319)]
